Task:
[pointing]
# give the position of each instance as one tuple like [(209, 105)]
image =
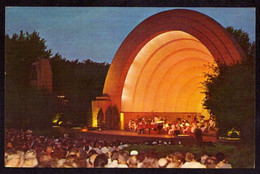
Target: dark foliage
[(230, 91), (79, 82), (25, 106)]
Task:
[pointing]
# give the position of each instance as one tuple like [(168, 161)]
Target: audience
[(203, 159), (163, 162), (222, 162), (132, 162), (100, 161), (23, 149), (112, 161), (123, 156), (211, 162), (150, 163), (191, 162)]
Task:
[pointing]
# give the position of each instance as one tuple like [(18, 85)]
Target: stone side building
[(41, 74)]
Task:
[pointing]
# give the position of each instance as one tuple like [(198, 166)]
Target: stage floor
[(111, 135), (129, 133)]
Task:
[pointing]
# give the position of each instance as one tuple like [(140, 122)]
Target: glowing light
[(61, 96), (84, 130), (56, 118), (183, 135), (94, 117), (228, 138), (55, 121), (233, 131), (60, 122), (122, 121)]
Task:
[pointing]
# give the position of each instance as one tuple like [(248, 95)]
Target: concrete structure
[(41, 74), (159, 67)]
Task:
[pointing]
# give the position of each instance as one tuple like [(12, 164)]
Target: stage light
[(94, 118), (84, 130), (122, 121), (233, 131)]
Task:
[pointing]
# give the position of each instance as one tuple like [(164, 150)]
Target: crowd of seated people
[(23, 149), (187, 125)]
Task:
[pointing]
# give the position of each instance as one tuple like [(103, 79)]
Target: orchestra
[(161, 125)]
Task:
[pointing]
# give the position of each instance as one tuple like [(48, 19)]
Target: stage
[(121, 135)]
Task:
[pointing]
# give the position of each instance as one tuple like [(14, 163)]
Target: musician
[(143, 121), (160, 124), (212, 124), (193, 127), (165, 126), (201, 121), (152, 122), (155, 119), (172, 129), (135, 125), (182, 125), (130, 125), (141, 126), (204, 128), (189, 119), (187, 127), (177, 125)]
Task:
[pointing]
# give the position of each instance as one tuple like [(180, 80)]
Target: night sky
[(97, 32)]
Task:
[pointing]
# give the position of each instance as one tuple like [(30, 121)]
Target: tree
[(243, 40), (230, 92), (241, 37), (33, 108), (20, 52), (100, 117), (230, 95), (25, 106), (80, 82)]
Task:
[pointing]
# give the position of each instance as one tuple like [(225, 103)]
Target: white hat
[(133, 152), (162, 162)]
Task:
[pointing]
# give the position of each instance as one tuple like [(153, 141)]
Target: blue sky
[(97, 32)]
